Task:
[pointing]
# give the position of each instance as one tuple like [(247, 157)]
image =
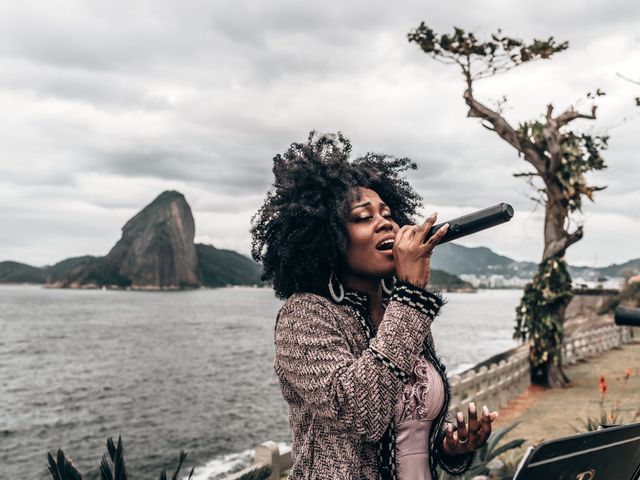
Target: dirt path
[(547, 414)]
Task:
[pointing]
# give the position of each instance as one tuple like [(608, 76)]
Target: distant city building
[(493, 281), (501, 281), (610, 283)]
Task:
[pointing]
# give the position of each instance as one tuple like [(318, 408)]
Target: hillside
[(218, 268), (459, 260), (15, 272), (446, 281), (615, 270)]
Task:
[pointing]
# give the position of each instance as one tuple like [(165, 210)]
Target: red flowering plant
[(602, 386), (613, 416)]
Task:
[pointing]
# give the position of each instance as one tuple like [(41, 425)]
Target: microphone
[(627, 316), (474, 222)]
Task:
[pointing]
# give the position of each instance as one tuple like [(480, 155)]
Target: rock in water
[(156, 251), (156, 248)]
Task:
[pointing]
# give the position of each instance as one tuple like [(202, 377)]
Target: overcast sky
[(104, 105)]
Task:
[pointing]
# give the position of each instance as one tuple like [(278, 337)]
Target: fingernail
[(485, 411), (434, 215), (460, 417), (472, 408), (450, 428)]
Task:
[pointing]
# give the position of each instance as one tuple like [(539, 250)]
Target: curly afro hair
[(300, 233)]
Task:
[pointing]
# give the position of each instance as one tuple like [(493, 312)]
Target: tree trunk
[(550, 373), (556, 211)]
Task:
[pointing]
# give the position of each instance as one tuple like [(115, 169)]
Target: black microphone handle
[(474, 222), (627, 316)]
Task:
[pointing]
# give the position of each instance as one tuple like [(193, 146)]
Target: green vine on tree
[(536, 318)]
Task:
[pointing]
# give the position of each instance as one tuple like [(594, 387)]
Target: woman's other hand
[(412, 257), (471, 436)]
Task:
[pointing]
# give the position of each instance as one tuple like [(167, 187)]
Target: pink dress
[(420, 402)]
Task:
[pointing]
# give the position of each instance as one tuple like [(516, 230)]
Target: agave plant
[(112, 465), (488, 452), (594, 423)]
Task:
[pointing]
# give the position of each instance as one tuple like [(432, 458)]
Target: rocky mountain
[(156, 251)]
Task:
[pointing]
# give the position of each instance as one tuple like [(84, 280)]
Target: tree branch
[(551, 134), (502, 127), (571, 238), (628, 79), (558, 247), (571, 114), (549, 112)]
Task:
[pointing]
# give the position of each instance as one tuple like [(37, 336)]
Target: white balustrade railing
[(268, 455), (496, 384)]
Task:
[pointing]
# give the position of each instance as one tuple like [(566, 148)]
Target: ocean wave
[(220, 467)]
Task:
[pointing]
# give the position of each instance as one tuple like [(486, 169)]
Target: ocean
[(169, 371)]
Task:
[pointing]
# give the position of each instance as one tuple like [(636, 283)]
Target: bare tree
[(560, 158)]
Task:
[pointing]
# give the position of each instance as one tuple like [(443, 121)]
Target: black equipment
[(627, 316), (474, 222), (612, 453)]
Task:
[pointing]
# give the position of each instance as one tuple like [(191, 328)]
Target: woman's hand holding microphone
[(412, 256)]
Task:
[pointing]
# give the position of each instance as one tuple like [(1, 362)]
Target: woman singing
[(354, 354)]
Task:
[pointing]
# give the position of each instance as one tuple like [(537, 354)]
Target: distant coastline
[(156, 252)]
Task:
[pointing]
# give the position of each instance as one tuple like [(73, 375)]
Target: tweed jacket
[(341, 379)]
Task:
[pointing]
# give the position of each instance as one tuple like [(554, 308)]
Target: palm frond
[(112, 465), (61, 468), (116, 454), (105, 468), (183, 457), (119, 469), (53, 467), (111, 448)]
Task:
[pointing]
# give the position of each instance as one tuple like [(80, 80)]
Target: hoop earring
[(384, 286), (337, 298)]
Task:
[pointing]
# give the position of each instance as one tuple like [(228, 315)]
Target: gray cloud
[(106, 105)]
